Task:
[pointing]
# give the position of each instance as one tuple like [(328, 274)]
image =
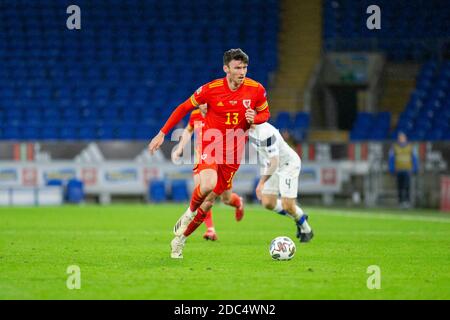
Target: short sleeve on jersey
[(199, 96), (261, 100)]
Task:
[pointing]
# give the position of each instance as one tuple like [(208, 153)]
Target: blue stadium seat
[(283, 120), (30, 133), (11, 133), (75, 191), (157, 191), (68, 132), (179, 191), (426, 114)]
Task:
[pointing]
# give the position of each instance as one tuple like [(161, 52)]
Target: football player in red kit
[(194, 126), (234, 104)]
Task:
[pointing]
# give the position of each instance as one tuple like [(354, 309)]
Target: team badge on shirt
[(247, 103)]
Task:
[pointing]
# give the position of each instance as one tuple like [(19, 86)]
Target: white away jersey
[(269, 143)]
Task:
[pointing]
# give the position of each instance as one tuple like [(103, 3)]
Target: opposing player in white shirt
[(279, 176)]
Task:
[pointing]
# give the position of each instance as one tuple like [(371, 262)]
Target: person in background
[(403, 161)]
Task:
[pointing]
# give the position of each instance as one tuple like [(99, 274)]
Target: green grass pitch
[(123, 253)]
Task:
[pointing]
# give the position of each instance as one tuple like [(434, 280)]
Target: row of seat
[(126, 69), (427, 113), (76, 132), (371, 126), (410, 30), (296, 124)]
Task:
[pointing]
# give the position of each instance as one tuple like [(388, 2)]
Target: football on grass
[(282, 248)]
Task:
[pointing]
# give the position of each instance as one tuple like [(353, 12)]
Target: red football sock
[(208, 220), (235, 200), (198, 220), (197, 199)]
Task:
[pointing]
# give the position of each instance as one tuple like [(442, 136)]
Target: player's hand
[(250, 115), (259, 189), (156, 142), (176, 154)]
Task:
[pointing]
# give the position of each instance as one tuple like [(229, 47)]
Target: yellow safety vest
[(403, 157)]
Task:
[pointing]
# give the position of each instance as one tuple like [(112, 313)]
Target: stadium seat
[(179, 191), (75, 191), (300, 127), (157, 191), (371, 126), (283, 120)]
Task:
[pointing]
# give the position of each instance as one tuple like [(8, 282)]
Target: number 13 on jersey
[(232, 118)]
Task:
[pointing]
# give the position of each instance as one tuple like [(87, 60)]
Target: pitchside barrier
[(108, 178), (126, 169), (30, 196)]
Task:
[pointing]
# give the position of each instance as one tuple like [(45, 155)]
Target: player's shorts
[(225, 175), (284, 181)]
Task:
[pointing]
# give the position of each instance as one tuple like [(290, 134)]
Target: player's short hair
[(234, 54)]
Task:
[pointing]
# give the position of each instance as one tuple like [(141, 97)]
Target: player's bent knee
[(207, 187), (268, 203), (289, 205)]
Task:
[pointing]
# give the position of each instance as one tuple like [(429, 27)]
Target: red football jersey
[(225, 121), (196, 122)]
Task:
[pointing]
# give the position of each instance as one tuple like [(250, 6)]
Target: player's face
[(236, 71)]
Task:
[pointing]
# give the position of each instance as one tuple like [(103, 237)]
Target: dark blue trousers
[(403, 182)]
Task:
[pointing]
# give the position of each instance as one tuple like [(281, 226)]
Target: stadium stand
[(130, 64), (427, 114), (405, 37), (426, 117), (371, 126), (297, 124), (404, 34)]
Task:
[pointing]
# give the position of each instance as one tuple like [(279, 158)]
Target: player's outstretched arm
[(173, 120), (156, 142), (185, 138)]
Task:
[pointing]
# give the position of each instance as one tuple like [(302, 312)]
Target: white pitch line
[(383, 216)]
